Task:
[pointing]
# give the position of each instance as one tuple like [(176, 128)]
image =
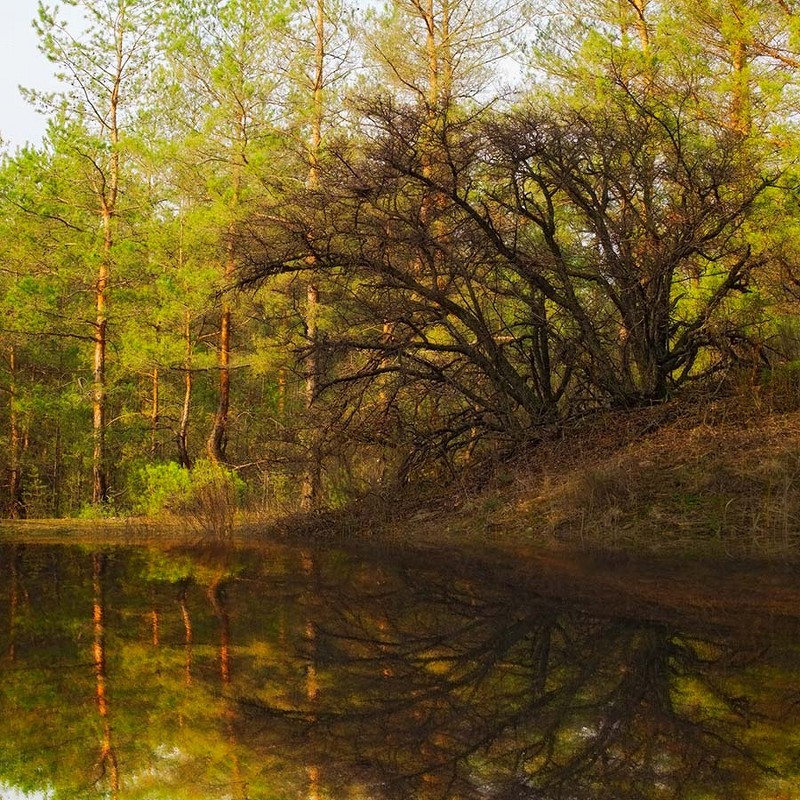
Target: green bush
[(165, 487), (206, 496), (100, 511), (213, 499)]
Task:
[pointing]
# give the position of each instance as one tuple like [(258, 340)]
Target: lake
[(310, 672)]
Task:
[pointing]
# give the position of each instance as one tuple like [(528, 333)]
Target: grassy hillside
[(712, 475)]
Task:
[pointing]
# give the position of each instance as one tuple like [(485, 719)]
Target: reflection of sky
[(9, 793)]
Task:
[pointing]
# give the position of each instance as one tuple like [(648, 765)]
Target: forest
[(321, 249)]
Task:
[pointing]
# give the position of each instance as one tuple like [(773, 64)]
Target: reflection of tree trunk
[(13, 602), (312, 774), (108, 756), (540, 659), (312, 677), (187, 636), (383, 647), (155, 624), (216, 594), (218, 598)]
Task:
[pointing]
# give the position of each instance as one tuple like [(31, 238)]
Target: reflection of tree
[(107, 762), (15, 591), (186, 618), (54, 698), (457, 689), (218, 596), (311, 580), (312, 674)]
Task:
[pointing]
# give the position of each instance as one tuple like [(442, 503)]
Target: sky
[(21, 63)]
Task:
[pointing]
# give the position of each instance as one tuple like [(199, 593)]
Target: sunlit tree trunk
[(155, 412), (312, 477), (741, 118), (217, 440), (107, 193), (183, 426), (16, 440), (281, 394), (638, 8), (184, 459), (226, 59), (99, 473), (106, 181)]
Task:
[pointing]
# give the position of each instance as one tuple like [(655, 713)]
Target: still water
[(286, 672)]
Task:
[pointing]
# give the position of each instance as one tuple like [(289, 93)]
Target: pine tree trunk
[(15, 489), (217, 440), (183, 428), (155, 414), (57, 465), (100, 478), (741, 117), (312, 479), (107, 192)]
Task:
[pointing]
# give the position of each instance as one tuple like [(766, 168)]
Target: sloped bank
[(711, 478)]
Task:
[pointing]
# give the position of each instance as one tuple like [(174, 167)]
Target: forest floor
[(710, 477), (707, 477)]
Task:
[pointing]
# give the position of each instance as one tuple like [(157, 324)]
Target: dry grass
[(720, 479), (710, 476), (211, 510)]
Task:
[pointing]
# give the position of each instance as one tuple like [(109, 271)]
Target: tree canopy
[(332, 249)]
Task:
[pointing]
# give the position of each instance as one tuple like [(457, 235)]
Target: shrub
[(213, 499), (206, 496), (165, 488)]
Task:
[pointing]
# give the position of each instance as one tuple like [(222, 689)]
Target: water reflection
[(290, 673)]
